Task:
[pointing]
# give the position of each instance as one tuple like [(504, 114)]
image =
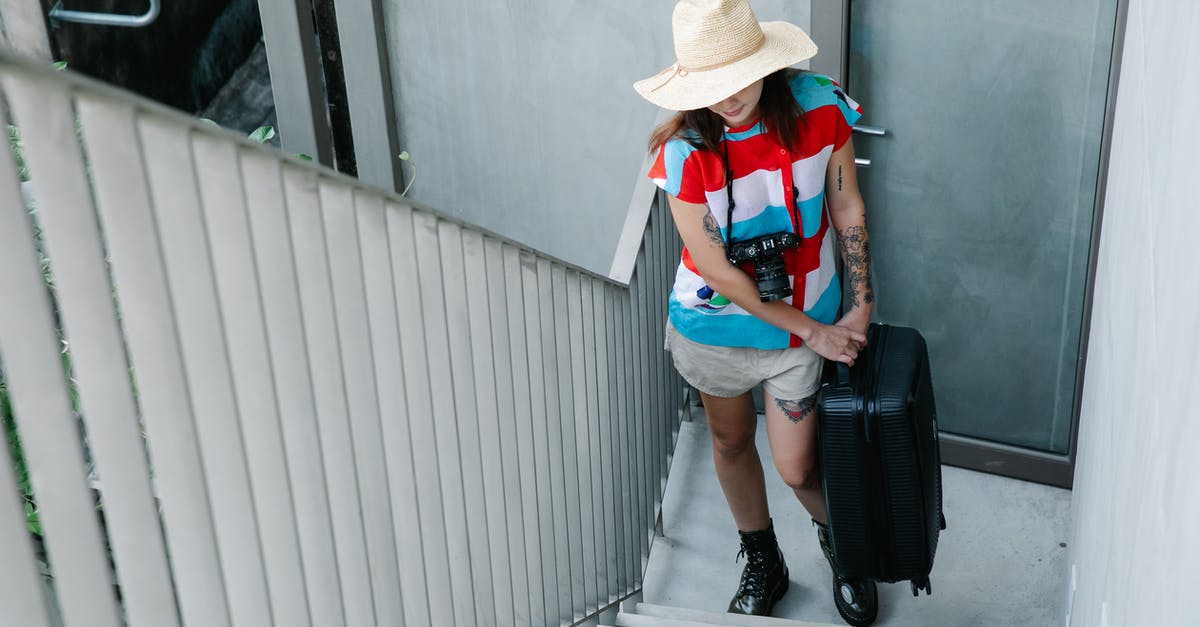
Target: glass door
[(981, 197)]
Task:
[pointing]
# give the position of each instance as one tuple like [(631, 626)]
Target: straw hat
[(720, 48)]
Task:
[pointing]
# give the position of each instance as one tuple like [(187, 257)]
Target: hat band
[(679, 70)]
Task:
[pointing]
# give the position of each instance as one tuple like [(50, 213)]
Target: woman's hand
[(836, 342), (856, 321)]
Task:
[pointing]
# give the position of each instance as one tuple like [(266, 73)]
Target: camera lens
[(772, 279)]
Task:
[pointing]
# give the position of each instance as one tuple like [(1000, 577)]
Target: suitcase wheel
[(918, 585)]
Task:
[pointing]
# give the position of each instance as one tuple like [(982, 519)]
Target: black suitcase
[(879, 459)]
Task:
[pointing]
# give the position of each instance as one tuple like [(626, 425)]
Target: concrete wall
[(1135, 549), (520, 116)]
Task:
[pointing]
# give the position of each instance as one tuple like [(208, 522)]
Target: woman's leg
[(792, 432), (732, 422)]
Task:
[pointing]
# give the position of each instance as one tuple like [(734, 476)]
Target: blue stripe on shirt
[(774, 219)]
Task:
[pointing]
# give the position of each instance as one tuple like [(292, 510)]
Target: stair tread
[(702, 617), (640, 620)]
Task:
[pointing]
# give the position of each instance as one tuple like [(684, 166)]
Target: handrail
[(641, 200), (59, 14)]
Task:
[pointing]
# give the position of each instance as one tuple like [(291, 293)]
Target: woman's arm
[(849, 216), (702, 236)]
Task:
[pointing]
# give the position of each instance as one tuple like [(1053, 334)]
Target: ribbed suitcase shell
[(880, 461)]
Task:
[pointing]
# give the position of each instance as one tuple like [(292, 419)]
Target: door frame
[(830, 26)]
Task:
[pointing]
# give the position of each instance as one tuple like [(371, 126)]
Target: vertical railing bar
[(512, 371), (422, 424), (531, 286), (634, 425), (665, 419), (640, 413), (653, 253), (624, 466), (606, 411), (385, 311), (306, 202), (329, 364), (225, 215), (646, 381), (520, 366), (132, 227), (604, 463), (73, 236), (595, 450), (433, 305), (466, 419), (203, 339), (664, 286), (41, 406), (507, 442), (633, 454), (475, 347), (655, 418), (658, 299), (577, 415), (288, 347), (343, 248), (554, 420), (566, 413)]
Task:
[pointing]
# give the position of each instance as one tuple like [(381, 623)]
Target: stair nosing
[(705, 617)]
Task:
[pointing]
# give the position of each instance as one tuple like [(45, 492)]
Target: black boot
[(765, 578), (855, 597)]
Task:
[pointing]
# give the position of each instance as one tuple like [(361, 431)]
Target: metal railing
[(302, 401)]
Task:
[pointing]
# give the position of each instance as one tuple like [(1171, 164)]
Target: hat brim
[(680, 90)]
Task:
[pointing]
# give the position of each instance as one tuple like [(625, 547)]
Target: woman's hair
[(704, 129)]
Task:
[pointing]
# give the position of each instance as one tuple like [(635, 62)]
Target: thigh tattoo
[(797, 410)]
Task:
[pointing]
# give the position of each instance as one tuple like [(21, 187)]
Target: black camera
[(766, 253)]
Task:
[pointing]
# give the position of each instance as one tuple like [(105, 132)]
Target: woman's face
[(741, 108)]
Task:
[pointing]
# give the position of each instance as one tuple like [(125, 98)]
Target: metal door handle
[(867, 130), (59, 14), (870, 130)]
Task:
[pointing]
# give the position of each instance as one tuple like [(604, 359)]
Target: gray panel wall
[(520, 116)]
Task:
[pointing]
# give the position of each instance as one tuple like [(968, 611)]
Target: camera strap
[(729, 195)]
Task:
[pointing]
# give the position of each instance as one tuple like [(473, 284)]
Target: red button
[(782, 151)]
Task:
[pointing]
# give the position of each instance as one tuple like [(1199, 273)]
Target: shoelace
[(753, 576)]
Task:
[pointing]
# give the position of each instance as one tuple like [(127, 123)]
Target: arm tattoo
[(713, 231), (797, 410), (856, 252), (839, 178)]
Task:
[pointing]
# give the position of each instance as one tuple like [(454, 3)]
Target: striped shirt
[(764, 173)]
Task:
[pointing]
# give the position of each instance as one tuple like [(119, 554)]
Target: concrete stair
[(650, 615)]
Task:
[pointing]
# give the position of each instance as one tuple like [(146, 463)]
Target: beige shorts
[(789, 373)]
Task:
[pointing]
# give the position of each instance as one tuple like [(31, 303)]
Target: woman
[(768, 150)]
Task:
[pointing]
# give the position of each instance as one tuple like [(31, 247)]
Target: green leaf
[(304, 156), (403, 156), (262, 134), (32, 520), (60, 65), (14, 142)]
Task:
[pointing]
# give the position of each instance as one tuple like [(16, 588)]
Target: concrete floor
[(1000, 562)]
